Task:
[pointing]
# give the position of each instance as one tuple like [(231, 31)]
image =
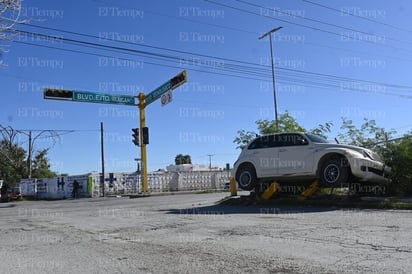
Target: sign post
[(143, 152), (145, 100)]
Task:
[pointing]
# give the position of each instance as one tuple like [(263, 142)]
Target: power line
[(57, 130), (304, 26), (282, 78), (135, 44), (191, 53), (255, 67), (257, 33), (185, 19), (146, 62), (257, 70), (218, 26), (321, 22), (404, 59), (252, 69), (357, 16)]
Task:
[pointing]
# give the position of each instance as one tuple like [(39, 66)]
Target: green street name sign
[(155, 94), (172, 84), (91, 97), (88, 97)]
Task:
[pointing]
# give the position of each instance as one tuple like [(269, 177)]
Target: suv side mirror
[(301, 142)]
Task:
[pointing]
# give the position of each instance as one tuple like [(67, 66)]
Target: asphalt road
[(190, 234)]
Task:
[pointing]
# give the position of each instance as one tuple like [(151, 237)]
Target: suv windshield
[(316, 139)]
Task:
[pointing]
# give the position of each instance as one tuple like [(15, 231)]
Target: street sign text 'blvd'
[(88, 97)]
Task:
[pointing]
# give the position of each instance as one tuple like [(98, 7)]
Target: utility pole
[(102, 151), (210, 161), (29, 160), (273, 71), (31, 146)]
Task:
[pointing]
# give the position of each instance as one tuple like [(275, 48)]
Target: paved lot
[(190, 234)]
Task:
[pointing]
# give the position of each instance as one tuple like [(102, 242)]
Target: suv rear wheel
[(246, 177)]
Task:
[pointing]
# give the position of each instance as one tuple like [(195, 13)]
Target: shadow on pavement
[(6, 205), (249, 209)]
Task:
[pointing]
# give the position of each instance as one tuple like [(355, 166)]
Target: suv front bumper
[(370, 170)]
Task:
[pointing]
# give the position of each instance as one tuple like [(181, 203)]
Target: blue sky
[(349, 59)]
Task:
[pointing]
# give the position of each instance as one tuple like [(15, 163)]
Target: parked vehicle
[(8, 194), (303, 157)]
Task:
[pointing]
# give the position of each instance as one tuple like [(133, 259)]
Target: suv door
[(295, 155), (265, 154)]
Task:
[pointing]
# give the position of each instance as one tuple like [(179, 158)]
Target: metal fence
[(123, 184), (130, 183)]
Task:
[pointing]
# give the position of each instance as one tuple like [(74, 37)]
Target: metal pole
[(30, 154), (273, 72), (210, 161), (143, 154), (273, 83), (102, 152)]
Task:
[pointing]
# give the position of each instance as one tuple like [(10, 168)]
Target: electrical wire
[(305, 26), (322, 22), (281, 78), (255, 68), (298, 79), (257, 33), (358, 16)]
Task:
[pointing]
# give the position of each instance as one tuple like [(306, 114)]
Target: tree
[(399, 157), (244, 138), (9, 16), (12, 164), (16, 163), (41, 165), (368, 135), (181, 159), (286, 123)]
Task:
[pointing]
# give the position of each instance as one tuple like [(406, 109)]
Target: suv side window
[(292, 140), (257, 143), (266, 141)]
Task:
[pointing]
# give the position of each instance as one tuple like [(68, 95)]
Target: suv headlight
[(367, 155), (353, 153)]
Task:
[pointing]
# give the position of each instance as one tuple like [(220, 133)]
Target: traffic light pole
[(142, 106), (144, 100)]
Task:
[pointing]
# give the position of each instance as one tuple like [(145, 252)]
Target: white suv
[(298, 157)]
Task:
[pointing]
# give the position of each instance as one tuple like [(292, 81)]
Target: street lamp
[(273, 72)]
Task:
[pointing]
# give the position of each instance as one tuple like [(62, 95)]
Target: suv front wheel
[(334, 173), (246, 177)]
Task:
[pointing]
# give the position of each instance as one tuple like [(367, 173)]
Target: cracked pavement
[(191, 234)]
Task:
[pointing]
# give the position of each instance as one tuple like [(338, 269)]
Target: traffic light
[(57, 94), (135, 136), (111, 180), (145, 135), (179, 79)]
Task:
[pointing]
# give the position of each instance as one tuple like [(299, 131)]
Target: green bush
[(399, 157)]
